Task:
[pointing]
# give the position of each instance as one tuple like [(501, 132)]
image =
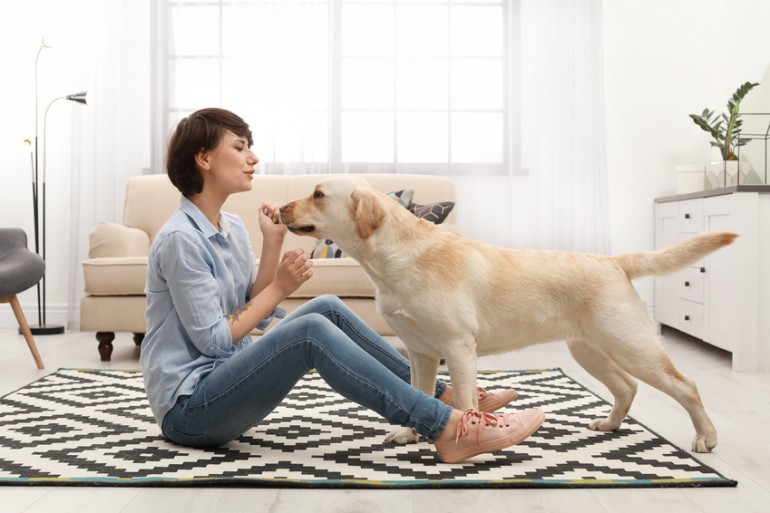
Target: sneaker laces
[(472, 417), (481, 392)]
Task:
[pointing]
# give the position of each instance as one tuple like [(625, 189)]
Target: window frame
[(510, 162)]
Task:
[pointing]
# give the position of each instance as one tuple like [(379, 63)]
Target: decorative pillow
[(404, 197), (433, 212), (326, 249)]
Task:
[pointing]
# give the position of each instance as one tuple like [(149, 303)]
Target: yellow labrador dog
[(449, 297)]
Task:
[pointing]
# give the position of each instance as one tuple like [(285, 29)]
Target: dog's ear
[(367, 212)]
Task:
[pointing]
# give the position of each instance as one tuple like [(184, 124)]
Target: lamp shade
[(78, 97)]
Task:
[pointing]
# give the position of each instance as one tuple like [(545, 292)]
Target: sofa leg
[(138, 337), (105, 339)]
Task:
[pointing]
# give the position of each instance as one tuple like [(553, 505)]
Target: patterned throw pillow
[(404, 197), (433, 212), (326, 249)]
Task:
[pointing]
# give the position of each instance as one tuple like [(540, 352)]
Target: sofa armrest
[(116, 240)]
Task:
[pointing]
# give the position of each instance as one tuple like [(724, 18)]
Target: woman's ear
[(202, 158)]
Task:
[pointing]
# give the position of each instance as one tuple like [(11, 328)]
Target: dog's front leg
[(424, 371), (423, 378), (461, 362)]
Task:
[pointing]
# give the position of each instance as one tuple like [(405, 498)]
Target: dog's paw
[(403, 435), (603, 425), (704, 443)]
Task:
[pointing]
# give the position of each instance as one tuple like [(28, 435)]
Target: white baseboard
[(55, 315)]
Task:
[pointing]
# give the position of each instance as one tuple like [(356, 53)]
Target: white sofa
[(115, 272)]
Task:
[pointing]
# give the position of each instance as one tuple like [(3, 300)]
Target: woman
[(207, 381)]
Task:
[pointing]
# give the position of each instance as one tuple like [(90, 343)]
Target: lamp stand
[(42, 328)]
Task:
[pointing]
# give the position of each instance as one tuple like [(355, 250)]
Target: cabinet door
[(690, 284), (690, 216), (722, 276)]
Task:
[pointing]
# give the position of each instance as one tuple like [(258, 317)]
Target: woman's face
[(231, 165)]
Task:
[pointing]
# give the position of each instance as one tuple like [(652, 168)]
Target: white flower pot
[(725, 173)]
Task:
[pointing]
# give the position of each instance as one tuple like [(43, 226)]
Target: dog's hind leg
[(650, 363), (621, 385)]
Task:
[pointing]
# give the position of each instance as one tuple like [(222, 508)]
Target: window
[(365, 84)]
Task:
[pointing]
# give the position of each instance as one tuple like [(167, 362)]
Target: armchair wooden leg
[(19, 313), (105, 339), (138, 338)]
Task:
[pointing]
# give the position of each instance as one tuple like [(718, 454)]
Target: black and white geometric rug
[(90, 427)]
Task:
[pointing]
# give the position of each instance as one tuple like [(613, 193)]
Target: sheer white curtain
[(111, 137), (559, 200), (505, 96), (563, 125)]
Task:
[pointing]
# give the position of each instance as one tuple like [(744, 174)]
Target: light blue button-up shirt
[(196, 275)]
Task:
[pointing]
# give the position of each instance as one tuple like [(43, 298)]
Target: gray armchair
[(20, 269)]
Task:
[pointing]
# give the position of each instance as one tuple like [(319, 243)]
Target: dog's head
[(341, 209)]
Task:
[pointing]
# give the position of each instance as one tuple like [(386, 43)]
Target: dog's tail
[(673, 258)]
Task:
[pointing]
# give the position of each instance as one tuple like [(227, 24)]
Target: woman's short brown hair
[(201, 130)]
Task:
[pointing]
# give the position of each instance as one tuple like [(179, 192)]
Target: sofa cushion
[(115, 276), (127, 276), (150, 201), (112, 239), (339, 276)]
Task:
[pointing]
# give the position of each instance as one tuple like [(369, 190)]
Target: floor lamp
[(42, 328)]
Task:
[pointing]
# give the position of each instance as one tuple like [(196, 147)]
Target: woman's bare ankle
[(450, 431), (447, 396)]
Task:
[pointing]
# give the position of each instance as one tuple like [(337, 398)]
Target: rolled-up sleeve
[(278, 313)]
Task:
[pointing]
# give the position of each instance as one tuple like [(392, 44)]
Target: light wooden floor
[(738, 403)]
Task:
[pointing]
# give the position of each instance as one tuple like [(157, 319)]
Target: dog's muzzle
[(287, 219)]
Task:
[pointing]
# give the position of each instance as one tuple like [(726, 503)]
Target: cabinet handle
[(703, 269), (686, 317), (687, 284), (687, 216)]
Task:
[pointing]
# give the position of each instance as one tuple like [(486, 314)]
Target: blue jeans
[(323, 334)]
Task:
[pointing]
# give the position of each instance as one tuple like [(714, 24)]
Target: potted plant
[(725, 131)]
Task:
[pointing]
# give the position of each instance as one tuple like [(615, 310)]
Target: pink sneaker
[(479, 432), (493, 401)]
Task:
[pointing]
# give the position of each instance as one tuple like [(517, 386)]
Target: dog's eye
[(318, 195)]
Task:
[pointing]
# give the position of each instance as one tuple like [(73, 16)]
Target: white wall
[(664, 59)]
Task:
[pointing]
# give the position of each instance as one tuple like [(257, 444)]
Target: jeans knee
[(315, 324), (330, 302)]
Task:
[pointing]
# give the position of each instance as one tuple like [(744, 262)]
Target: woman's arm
[(293, 270), (276, 277), (273, 233)]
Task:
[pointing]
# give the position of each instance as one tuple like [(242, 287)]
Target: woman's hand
[(293, 270), (270, 223)]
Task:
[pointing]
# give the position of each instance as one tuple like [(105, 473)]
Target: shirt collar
[(224, 226), (204, 225)]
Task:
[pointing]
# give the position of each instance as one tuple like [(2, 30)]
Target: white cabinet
[(725, 298)]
